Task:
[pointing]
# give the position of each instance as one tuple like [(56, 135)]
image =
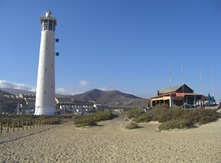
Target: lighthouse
[(45, 91)]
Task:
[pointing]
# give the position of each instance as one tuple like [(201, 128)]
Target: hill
[(112, 98), (16, 91)]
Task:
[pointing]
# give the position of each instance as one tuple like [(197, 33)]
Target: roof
[(174, 94), (174, 89), (170, 89)]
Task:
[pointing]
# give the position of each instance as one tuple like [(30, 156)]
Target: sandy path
[(111, 142)]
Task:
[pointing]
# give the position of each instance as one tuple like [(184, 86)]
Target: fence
[(22, 125)]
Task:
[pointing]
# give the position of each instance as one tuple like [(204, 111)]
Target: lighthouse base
[(45, 111)]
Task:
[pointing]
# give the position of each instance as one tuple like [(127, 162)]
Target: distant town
[(25, 104)]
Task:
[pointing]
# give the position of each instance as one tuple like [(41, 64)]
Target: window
[(51, 25), (48, 25), (45, 25)]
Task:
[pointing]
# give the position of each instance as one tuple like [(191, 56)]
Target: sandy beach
[(111, 142)]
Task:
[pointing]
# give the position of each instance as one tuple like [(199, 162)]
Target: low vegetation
[(92, 119), (172, 124), (132, 126), (10, 119), (135, 112), (174, 117)]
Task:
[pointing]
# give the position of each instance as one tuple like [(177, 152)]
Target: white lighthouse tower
[(45, 92)]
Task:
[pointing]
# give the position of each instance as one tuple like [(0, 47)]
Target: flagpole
[(212, 81), (201, 85), (182, 82), (170, 103), (213, 94)]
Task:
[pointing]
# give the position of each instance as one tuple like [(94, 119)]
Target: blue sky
[(124, 45)]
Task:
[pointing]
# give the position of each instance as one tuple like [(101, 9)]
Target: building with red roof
[(177, 95)]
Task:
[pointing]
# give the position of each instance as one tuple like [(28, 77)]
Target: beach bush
[(158, 114), (132, 126), (183, 118), (201, 116), (162, 106), (102, 115), (145, 117), (133, 113), (172, 124), (170, 114), (90, 120), (84, 122)]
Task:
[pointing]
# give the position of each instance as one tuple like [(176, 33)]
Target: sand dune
[(111, 142)]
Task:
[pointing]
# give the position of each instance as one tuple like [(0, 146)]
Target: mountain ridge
[(112, 98)]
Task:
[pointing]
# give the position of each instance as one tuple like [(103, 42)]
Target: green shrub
[(145, 117), (133, 113), (90, 120), (85, 123), (102, 115), (183, 118), (170, 114), (162, 106), (177, 112), (160, 113), (209, 116), (201, 116), (132, 126), (180, 124)]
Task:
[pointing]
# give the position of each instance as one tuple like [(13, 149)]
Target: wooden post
[(0, 127), (18, 126), (22, 124), (26, 124), (13, 126), (7, 127)]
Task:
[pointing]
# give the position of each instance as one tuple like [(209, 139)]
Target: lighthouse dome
[(48, 14)]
